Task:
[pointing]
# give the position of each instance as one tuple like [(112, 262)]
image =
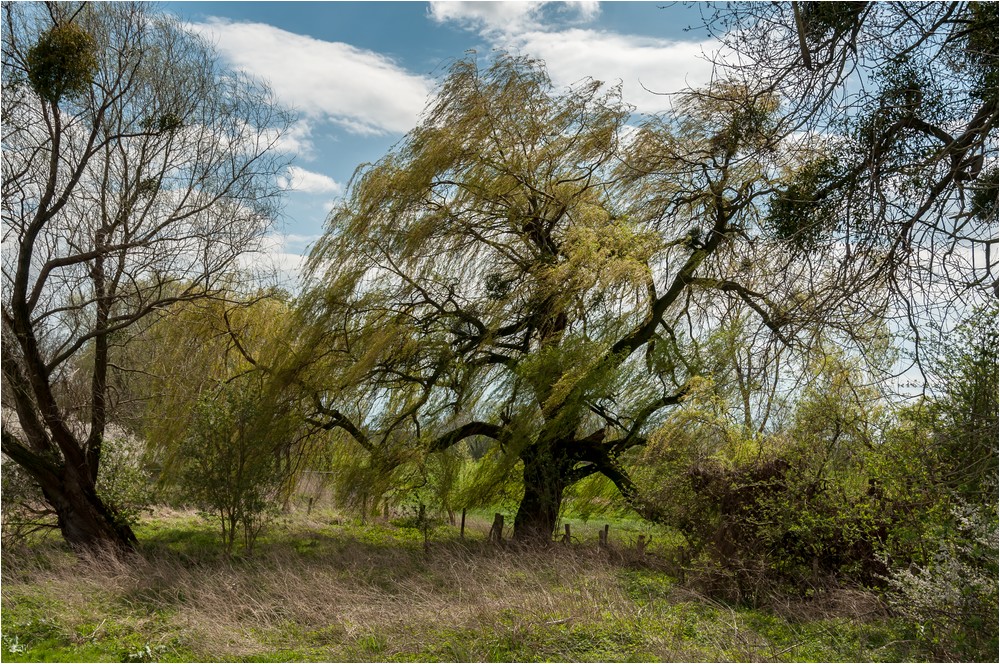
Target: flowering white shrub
[(953, 600), (124, 481)]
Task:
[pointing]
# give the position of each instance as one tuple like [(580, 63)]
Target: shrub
[(235, 461), (952, 601), (789, 510), (124, 481)]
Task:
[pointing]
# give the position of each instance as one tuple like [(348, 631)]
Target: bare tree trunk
[(544, 481), (84, 520)]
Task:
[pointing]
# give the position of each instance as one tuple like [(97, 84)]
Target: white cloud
[(299, 179), (281, 257), (365, 92), (645, 66), (297, 140), (509, 16)]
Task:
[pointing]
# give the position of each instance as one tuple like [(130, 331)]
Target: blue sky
[(358, 74)]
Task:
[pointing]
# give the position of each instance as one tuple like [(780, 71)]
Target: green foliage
[(786, 511), (824, 20), (233, 460), (476, 272), (849, 491), (985, 194), (964, 412), (737, 118), (952, 600), (167, 123), (937, 473), (62, 63), (592, 497), (124, 480), (805, 211), (977, 35), (444, 476), (225, 427), (493, 480)]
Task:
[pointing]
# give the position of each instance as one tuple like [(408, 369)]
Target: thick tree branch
[(465, 431), (337, 420)]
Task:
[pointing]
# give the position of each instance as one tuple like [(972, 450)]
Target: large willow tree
[(527, 268)]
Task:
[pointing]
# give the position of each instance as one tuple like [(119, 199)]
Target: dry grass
[(319, 590)]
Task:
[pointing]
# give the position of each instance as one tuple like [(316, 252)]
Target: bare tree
[(136, 173), (905, 96)]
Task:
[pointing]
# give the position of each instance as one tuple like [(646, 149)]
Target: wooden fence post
[(461, 533), (640, 545), (422, 521), (603, 535), (566, 537)]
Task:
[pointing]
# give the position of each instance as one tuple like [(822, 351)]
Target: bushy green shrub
[(790, 510), (124, 481), (235, 461)]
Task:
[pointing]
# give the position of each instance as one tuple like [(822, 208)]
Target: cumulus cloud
[(365, 92), (299, 179), (508, 16), (647, 67)]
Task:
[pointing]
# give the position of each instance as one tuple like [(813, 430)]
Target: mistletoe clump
[(62, 63)]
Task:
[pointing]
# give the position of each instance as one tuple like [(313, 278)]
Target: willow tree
[(136, 173), (527, 268)]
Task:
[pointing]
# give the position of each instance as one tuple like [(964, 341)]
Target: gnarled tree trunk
[(84, 520), (546, 470)]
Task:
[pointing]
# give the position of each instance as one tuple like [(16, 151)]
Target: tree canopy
[(529, 268), (904, 98)]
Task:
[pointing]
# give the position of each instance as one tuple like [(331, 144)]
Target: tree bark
[(546, 468), (84, 520)]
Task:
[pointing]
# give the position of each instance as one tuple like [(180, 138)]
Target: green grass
[(327, 588)]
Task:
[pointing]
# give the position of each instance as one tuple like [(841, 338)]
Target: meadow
[(325, 587)]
